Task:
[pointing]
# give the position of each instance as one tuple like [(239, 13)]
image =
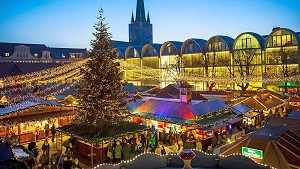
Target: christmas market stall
[(31, 120), (93, 144), (266, 102), (212, 117), (164, 115), (294, 102)]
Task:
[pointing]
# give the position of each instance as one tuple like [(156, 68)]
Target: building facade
[(249, 56), (39, 53)]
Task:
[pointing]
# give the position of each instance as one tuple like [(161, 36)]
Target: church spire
[(148, 17), (140, 11), (132, 17)]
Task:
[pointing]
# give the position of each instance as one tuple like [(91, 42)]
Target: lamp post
[(187, 155)]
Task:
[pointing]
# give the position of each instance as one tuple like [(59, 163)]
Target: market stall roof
[(263, 101), (129, 87), (218, 126), (235, 120), (37, 116), (167, 109), (294, 114), (216, 120), (294, 98), (164, 94), (293, 124), (276, 142), (240, 109), (170, 119), (25, 105), (207, 107), (133, 105), (60, 97)]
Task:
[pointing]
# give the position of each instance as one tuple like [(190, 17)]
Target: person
[(60, 162), (47, 130), (31, 145), (190, 143), (133, 148), (110, 153), (152, 146), (35, 152), (126, 152), (44, 159), (54, 157), (76, 164), (53, 164), (118, 152), (143, 140), (183, 139), (209, 150), (163, 151), (66, 144), (46, 147), (199, 144), (175, 147), (67, 164), (53, 131)]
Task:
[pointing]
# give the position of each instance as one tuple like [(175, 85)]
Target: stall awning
[(218, 126), (240, 109), (216, 120), (235, 120), (294, 114)]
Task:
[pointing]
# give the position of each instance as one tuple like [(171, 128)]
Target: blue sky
[(69, 23)]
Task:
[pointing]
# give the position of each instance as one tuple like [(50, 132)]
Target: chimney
[(275, 28)]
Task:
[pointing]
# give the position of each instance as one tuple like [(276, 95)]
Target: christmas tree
[(101, 101)]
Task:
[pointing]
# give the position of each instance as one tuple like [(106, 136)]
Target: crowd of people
[(43, 159)]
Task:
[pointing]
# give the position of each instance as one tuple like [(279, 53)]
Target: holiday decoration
[(187, 155)]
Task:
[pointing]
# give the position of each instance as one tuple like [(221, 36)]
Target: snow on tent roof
[(25, 105), (294, 114), (207, 107), (240, 109)]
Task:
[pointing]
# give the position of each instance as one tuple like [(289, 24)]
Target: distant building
[(39, 53)]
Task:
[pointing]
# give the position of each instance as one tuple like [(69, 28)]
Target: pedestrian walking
[(47, 130), (53, 132)]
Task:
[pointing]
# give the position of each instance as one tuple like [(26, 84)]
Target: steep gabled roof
[(164, 94), (129, 87)]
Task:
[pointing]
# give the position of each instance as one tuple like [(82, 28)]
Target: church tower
[(140, 29)]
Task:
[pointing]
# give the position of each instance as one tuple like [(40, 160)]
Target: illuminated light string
[(9, 91), (47, 73), (174, 154), (143, 72)]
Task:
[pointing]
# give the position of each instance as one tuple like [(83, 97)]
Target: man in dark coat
[(31, 145), (47, 129), (53, 131), (126, 152)]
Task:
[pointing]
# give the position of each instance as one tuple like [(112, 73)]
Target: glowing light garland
[(174, 154)]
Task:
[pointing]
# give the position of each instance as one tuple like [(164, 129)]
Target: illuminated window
[(6, 54), (35, 55), (72, 56), (63, 56)]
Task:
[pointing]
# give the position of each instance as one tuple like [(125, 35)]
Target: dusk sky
[(69, 23)]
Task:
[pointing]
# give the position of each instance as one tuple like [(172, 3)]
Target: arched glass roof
[(133, 52), (193, 46), (259, 38), (280, 32), (219, 43), (120, 52), (150, 50), (171, 48)]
